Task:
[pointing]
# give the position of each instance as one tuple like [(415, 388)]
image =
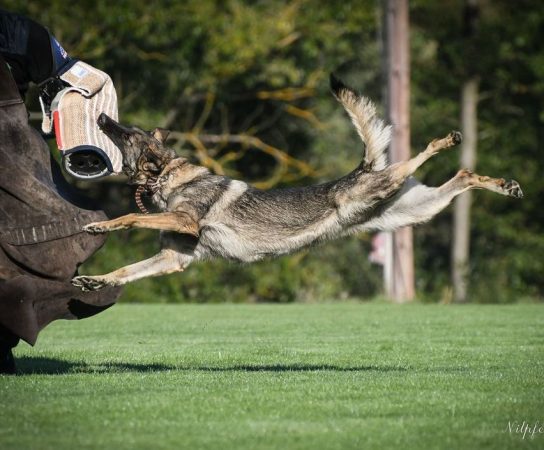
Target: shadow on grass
[(31, 365)]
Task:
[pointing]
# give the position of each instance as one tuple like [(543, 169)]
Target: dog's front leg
[(177, 221), (165, 262)]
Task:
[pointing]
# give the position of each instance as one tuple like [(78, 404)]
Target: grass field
[(324, 376)]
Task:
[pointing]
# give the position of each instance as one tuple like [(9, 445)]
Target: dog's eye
[(151, 167)]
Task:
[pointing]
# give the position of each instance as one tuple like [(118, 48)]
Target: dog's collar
[(149, 189), (152, 185)]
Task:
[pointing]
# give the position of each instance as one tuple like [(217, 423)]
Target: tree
[(401, 260), (506, 237), (469, 128)]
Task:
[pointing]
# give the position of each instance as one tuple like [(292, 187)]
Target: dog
[(208, 216)]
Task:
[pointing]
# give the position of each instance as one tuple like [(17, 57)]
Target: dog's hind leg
[(371, 188), (177, 221), (165, 262), (417, 203), (510, 188), (407, 168)]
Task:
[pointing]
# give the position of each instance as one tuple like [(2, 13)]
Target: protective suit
[(41, 217)]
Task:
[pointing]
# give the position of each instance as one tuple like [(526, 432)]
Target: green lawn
[(331, 376)]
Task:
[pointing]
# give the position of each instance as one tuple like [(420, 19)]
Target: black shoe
[(7, 362), (7, 342)]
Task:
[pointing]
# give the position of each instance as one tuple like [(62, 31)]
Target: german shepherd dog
[(206, 216)]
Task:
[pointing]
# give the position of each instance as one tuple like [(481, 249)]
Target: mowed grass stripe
[(338, 375)]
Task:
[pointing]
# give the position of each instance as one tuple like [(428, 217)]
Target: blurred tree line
[(243, 85)]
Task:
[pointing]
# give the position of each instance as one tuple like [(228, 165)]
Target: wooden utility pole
[(469, 128), (401, 259)]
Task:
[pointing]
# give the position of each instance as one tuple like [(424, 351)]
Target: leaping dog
[(209, 216)]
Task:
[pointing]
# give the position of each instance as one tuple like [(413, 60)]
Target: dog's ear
[(160, 134)]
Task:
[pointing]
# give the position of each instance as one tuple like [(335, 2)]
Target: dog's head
[(144, 153)]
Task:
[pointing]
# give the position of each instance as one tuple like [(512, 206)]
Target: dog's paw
[(513, 189), (455, 137), (95, 228), (88, 283)]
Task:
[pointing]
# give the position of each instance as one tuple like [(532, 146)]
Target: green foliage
[(507, 237), (218, 66), (329, 376)]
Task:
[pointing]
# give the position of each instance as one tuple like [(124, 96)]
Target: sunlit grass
[(338, 376)]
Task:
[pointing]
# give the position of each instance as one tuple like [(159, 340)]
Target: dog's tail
[(372, 130)]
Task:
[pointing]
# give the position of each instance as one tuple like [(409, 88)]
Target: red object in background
[(377, 255)]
